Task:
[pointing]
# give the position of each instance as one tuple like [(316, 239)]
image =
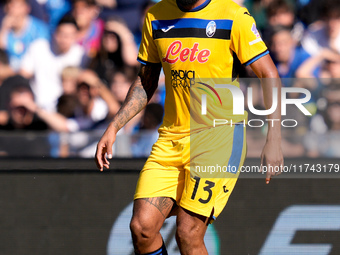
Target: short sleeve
[(148, 50), (246, 41)]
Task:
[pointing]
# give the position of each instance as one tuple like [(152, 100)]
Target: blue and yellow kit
[(197, 49)]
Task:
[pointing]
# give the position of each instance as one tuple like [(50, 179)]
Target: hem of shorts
[(151, 196), (194, 210), (185, 206)]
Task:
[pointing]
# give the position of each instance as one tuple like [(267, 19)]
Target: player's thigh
[(163, 173)]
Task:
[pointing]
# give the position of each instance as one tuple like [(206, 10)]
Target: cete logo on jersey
[(182, 78), (175, 52), (211, 29)]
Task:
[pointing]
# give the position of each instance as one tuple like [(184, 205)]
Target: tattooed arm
[(137, 98)]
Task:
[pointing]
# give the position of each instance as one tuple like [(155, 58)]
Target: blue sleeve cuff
[(143, 62), (256, 58)]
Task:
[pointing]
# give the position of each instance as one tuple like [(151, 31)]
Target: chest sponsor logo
[(182, 78), (176, 52)]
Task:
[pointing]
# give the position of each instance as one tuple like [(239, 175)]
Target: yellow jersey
[(197, 50)]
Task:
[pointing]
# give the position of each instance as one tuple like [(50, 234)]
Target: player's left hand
[(271, 159)]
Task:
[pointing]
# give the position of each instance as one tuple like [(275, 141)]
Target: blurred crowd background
[(66, 67)]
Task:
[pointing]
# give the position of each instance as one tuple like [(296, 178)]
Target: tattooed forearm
[(135, 101), (163, 204), (138, 96)]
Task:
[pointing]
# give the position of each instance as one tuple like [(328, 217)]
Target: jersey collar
[(198, 8)]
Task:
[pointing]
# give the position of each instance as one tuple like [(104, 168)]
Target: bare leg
[(190, 232), (148, 217)]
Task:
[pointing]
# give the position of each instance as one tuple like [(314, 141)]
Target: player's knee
[(188, 233), (142, 228)]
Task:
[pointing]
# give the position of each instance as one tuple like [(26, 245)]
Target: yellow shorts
[(198, 171)]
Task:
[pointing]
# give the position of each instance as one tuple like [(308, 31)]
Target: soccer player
[(192, 40)]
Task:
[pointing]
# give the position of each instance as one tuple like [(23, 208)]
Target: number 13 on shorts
[(208, 185), (205, 196)]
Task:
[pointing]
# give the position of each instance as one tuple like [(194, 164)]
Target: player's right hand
[(104, 148), (272, 158)]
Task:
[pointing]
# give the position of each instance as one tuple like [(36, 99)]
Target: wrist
[(274, 135), (114, 126), (274, 138)]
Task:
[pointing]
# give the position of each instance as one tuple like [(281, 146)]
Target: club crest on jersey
[(211, 29), (176, 52)]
